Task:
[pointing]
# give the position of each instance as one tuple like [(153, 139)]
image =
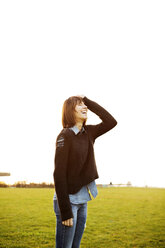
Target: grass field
[(117, 218)]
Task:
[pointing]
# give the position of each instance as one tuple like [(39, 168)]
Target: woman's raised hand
[(82, 96)]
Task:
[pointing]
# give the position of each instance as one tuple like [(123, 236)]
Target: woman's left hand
[(82, 96)]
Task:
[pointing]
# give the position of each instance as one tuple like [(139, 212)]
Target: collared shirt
[(84, 194)]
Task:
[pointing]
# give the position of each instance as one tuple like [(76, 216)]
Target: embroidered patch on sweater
[(60, 142)]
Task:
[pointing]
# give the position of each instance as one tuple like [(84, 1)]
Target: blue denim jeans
[(70, 237)]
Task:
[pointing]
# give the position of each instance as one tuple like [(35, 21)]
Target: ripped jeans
[(70, 237)]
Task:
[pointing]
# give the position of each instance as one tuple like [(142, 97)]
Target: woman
[(75, 169)]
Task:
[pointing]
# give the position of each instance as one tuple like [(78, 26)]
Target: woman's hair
[(68, 111)]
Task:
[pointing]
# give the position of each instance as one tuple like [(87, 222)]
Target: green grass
[(117, 218)]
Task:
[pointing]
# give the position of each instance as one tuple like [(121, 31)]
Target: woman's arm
[(60, 174), (108, 121)]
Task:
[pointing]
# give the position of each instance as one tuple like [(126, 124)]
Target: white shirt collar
[(76, 130)]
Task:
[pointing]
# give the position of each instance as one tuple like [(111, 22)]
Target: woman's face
[(81, 112)]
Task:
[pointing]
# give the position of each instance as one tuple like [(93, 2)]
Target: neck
[(79, 125)]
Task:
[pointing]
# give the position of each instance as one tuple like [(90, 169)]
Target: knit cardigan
[(71, 172)]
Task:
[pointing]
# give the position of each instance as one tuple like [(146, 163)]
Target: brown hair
[(68, 111)]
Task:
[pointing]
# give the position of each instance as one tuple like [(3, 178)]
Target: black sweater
[(74, 157)]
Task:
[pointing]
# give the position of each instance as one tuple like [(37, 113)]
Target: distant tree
[(20, 184), (3, 185), (23, 184)]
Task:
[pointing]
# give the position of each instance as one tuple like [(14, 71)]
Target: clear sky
[(111, 51)]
